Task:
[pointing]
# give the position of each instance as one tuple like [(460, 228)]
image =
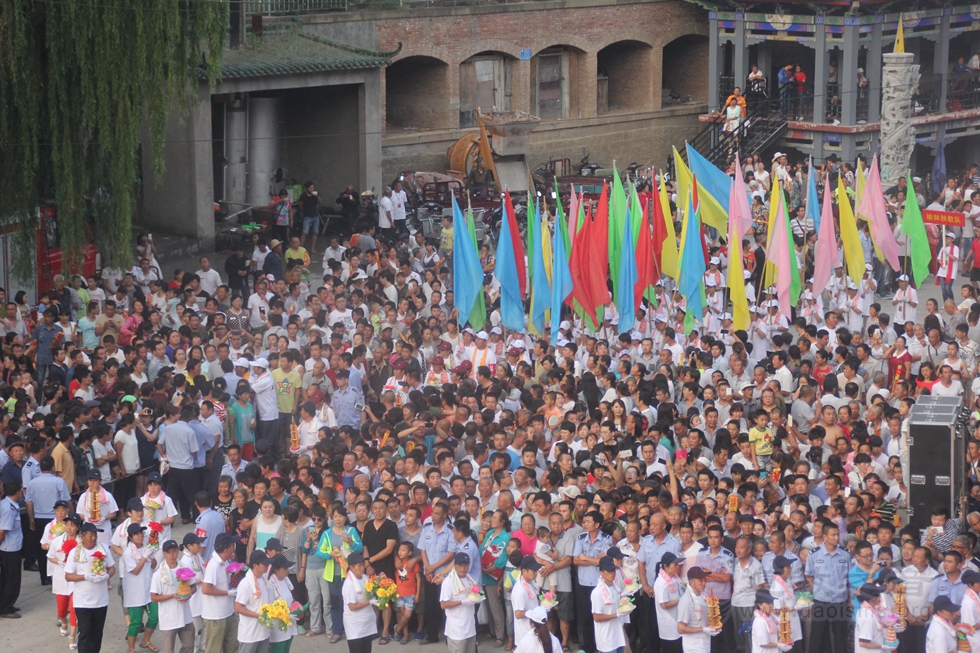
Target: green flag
[(478, 316), (795, 284), (617, 224), (918, 242)]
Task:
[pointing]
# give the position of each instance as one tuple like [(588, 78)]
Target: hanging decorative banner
[(948, 218)]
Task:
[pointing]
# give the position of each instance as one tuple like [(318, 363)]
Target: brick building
[(341, 94)]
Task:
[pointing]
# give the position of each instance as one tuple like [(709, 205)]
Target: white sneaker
[(64, 632)]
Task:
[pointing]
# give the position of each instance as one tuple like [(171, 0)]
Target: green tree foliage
[(79, 79)]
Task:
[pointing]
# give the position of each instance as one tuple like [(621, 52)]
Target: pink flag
[(873, 208), (779, 254), (827, 256), (741, 203)]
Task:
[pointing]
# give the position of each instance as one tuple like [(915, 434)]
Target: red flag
[(659, 231), (515, 236), (644, 260), (580, 282), (597, 258)]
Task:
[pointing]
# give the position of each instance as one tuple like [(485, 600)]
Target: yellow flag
[(713, 213), (853, 254), (770, 272), (736, 287), (900, 35), (669, 255)]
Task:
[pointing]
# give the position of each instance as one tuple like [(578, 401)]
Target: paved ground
[(37, 630)]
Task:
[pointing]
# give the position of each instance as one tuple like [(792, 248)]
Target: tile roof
[(292, 51)]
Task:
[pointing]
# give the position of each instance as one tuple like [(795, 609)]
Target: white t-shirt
[(130, 450), (166, 511), (385, 208), (667, 619), (358, 624), (344, 317), (89, 594), (210, 280), (761, 637), (695, 618), (136, 587), (173, 614), (398, 201), (194, 563), (460, 620), (257, 305), (252, 593), (608, 634), (522, 600), (216, 608)]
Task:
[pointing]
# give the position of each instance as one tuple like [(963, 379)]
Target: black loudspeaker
[(937, 457)]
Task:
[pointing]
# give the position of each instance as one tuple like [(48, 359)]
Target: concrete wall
[(181, 201), (645, 137), (320, 138), (336, 117)]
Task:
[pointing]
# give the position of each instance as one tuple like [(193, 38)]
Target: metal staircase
[(761, 128)]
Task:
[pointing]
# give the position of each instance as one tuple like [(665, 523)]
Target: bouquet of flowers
[(149, 509), (98, 563), (962, 632), (630, 587), (382, 589), (625, 606), (276, 615), (155, 529), (184, 576), (890, 621), (548, 600), (236, 573), (803, 600), (68, 547), (476, 595)]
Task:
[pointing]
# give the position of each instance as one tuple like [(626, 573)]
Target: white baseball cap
[(242, 362), (261, 362), (482, 335)]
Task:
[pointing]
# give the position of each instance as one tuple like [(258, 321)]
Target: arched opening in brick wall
[(624, 77), (485, 81), (684, 70), (555, 82), (417, 94)]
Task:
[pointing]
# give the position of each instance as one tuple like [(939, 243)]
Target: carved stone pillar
[(899, 79)]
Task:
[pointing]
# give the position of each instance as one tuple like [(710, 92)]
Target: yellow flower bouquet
[(275, 615), (382, 589)]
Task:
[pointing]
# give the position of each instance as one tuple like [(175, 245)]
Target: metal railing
[(763, 123)]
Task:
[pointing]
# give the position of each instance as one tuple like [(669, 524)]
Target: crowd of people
[(324, 429)]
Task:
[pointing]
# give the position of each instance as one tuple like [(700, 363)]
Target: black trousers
[(91, 623), (9, 580), (831, 623), (38, 554), (285, 421), (435, 616), (362, 645), (671, 646), (583, 615), (913, 640), (645, 625), (724, 642), (28, 553), (183, 486)]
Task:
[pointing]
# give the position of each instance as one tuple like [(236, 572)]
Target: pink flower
[(184, 575)]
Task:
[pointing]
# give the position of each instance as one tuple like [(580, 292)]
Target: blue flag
[(710, 178), (540, 287), (627, 281), (692, 263), (467, 270), (561, 278), (812, 201), (505, 270)]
